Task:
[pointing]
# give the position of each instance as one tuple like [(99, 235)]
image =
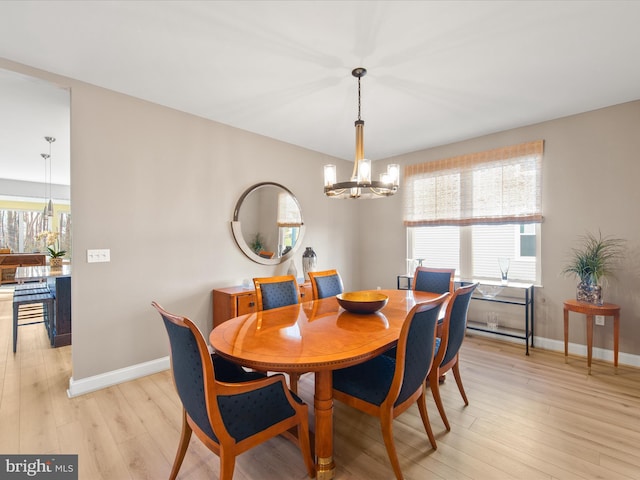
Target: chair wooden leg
[(182, 446), (227, 464), (422, 406), (387, 434), (456, 375), (305, 447), (435, 390)]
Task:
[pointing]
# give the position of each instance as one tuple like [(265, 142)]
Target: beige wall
[(591, 170), (158, 188)]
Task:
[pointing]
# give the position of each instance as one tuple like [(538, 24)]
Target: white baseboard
[(107, 379), (574, 348), (579, 349)]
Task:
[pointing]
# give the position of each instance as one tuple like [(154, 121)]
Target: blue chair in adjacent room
[(325, 284), (387, 386), (451, 335), (436, 280), (233, 415), (32, 306)]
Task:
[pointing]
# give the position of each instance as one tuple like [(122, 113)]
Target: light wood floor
[(529, 418)]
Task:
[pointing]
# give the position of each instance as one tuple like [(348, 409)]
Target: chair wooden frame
[(387, 411), (324, 273), (438, 370), (258, 282), (227, 448), (450, 271)]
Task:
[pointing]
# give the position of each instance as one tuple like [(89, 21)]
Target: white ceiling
[(439, 72)]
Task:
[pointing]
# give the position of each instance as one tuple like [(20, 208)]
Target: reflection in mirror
[(267, 223)]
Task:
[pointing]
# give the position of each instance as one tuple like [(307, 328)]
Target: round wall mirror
[(267, 223)]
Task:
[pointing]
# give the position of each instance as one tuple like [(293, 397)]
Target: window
[(467, 211), (289, 222), (527, 240), (19, 230)]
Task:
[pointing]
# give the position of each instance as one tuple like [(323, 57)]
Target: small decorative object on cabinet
[(309, 262), (591, 263), (504, 263)]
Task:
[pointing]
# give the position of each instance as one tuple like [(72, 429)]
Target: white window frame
[(465, 267)]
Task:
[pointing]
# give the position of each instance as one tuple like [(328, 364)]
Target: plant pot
[(55, 262), (589, 293)]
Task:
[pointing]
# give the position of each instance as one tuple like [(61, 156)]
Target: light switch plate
[(98, 255)]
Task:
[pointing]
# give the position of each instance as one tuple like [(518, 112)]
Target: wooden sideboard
[(233, 301), (10, 261)]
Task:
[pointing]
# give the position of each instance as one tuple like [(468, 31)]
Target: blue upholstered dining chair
[(387, 386), (274, 292), (451, 337), (231, 414), (436, 280), (325, 284)]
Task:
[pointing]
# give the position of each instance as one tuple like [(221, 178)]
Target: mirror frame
[(236, 227)]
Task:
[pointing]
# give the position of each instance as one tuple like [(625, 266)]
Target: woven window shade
[(288, 211), (497, 186)]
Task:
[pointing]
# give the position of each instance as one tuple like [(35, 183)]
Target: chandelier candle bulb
[(393, 170), (329, 175), (364, 171)]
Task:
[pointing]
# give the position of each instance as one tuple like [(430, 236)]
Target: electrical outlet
[(599, 319)]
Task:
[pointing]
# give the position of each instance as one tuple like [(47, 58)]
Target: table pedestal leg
[(323, 407), (566, 335), (590, 319)]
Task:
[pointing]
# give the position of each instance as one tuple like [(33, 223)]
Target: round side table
[(590, 310)]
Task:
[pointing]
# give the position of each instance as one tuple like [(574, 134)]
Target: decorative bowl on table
[(489, 291), (367, 301)]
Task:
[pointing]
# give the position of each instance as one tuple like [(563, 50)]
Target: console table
[(234, 301), (524, 298)]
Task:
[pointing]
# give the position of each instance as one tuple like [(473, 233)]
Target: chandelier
[(48, 207), (361, 184)]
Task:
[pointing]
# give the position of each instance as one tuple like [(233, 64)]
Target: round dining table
[(317, 336)]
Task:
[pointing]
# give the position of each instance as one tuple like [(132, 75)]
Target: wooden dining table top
[(315, 335)]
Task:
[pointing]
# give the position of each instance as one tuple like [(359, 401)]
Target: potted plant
[(591, 263), (257, 244), (52, 242)]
